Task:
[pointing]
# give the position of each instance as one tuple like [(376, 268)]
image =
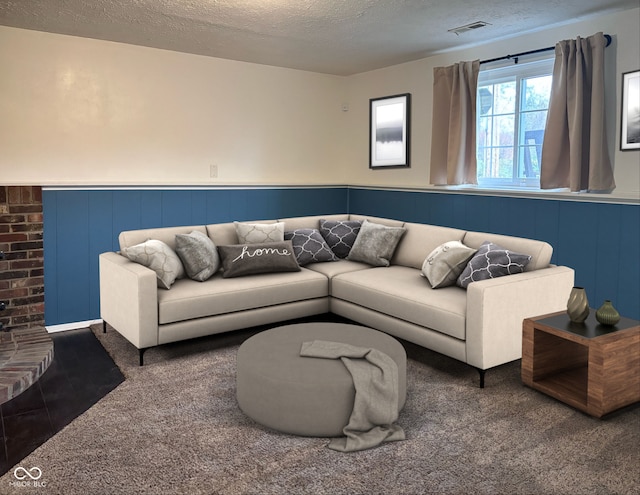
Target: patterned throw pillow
[(376, 243), (250, 259), (445, 263), (254, 233), (492, 261), (160, 258), (340, 235), (198, 254), (309, 246)]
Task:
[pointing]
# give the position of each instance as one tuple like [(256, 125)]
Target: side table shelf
[(589, 366)]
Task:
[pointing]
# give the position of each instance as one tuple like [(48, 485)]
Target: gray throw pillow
[(445, 263), (376, 243), (254, 233), (249, 259), (340, 235), (198, 254), (492, 261), (309, 246), (160, 258)]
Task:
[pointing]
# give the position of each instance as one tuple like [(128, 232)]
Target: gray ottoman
[(278, 388)]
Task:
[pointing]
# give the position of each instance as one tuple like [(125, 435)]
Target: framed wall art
[(389, 131), (630, 112)]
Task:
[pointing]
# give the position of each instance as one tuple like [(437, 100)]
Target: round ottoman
[(278, 388)]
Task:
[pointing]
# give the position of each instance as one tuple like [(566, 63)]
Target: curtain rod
[(517, 55)]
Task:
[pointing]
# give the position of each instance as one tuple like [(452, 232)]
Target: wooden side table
[(592, 367)]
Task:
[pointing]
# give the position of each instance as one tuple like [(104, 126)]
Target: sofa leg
[(141, 353), (104, 326), (482, 372)]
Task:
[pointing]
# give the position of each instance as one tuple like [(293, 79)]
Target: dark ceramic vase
[(578, 305), (607, 314)]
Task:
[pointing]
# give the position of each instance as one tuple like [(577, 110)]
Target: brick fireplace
[(21, 257)]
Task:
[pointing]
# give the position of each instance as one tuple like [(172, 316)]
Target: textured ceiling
[(332, 36)]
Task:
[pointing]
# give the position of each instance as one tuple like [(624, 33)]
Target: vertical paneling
[(600, 241), (627, 271), (72, 260), (81, 224), (50, 242)]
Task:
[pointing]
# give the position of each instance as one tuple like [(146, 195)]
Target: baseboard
[(71, 326)]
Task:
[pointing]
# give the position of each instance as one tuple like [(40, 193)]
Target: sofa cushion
[(445, 263), (254, 233), (340, 235), (375, 243), (309, 246), (389, 222), (420, 240), (167, 235), (160, 258), (492, 261), (539, 251), (198, 254), (188, 299), (401, 292), (309, 222), (239, 260), (330, 270)]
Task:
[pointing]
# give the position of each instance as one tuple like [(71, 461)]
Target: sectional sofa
[(477, 322)]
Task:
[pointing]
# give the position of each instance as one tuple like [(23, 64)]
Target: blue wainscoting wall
[(601, 241), (79, 224)]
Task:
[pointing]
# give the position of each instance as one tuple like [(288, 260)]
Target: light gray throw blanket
[(375, 409)]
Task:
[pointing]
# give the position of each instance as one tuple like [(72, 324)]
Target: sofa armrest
[(497, 307), (129, 299)]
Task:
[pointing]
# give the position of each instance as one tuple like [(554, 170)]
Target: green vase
[(607, 314), (578, 305)]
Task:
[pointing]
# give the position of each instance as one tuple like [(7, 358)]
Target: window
[(512, 108)]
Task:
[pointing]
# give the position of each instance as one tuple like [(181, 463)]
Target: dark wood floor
[(79, 376)]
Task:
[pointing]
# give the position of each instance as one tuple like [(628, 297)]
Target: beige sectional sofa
[(480, 325)]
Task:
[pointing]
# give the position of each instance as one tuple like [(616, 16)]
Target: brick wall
[(22, 266)]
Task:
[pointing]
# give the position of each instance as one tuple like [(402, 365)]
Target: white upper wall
[(417, 78), (82, 111), (76, 111)]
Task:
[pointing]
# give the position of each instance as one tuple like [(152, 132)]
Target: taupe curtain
[(574, 150), (453, 129)]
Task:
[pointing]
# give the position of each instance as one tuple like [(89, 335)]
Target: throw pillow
[(309, 246), (250, 259), (198, 254), (254, 233), (340, 235), (492, 261), (445, 263), (376, 243), (160, 258)]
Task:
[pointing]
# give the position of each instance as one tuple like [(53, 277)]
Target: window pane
[(533, 121), (504, 127), (504, 97), (505, 163), (536, 92)]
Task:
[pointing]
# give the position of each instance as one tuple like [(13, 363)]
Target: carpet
[(173, 427)]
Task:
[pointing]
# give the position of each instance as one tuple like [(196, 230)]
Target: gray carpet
[(173, 427)]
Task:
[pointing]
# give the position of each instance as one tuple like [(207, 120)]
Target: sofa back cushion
[(419, 240), (167, 235), (383, 221), (539, 251), (309, 222), (222, 234)]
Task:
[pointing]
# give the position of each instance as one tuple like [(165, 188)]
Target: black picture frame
[(630, 111), (390, 131)]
